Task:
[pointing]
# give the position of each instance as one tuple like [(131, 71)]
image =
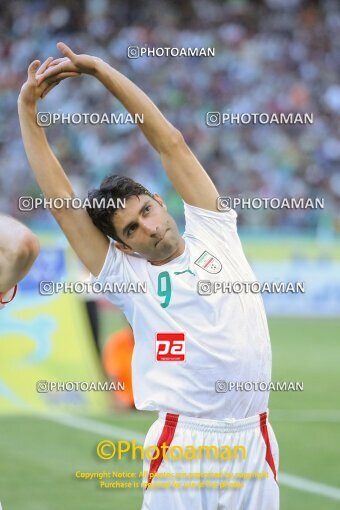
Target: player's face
[(146, 227)]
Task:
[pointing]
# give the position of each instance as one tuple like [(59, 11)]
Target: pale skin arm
[(19, 248), (182, 167), (76, 223)]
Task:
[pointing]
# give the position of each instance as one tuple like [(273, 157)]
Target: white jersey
[(186, 342)]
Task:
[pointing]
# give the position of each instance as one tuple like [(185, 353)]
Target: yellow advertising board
[(46, 342)]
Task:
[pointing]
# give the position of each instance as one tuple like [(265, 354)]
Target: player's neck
[(177, 253)]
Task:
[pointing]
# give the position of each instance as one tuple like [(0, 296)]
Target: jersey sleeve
[(214, 225), (217, 230), (112, 271)]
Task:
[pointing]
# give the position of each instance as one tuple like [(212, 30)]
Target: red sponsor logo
[(170, 347)]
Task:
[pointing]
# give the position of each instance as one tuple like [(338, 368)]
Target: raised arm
[(185, 172), (76, 223), (183, 169), (19, 248)]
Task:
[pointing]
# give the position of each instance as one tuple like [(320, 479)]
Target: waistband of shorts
[(204, 424)]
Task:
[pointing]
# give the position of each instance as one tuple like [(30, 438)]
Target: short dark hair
[(113, 187)]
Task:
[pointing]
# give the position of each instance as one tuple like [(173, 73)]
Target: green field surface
[(40, 456)]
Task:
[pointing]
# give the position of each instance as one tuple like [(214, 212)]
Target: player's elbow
[(64, 199), (174, 141)]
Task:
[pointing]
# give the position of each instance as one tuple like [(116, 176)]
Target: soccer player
[(189, 342), (19, 248)]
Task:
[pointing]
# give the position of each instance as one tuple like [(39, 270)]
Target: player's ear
[(158, 199), (124, 248)]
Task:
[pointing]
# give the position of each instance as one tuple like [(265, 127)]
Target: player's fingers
[(51, 82), (59, 77), (43, 86), (63, 75), (56, 61), (32, 68), (44, 66), (51, 71), (66, 50)]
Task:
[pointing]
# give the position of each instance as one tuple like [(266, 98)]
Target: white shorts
[(237, 469)]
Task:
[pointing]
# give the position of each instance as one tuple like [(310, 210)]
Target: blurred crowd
[(270, 56)]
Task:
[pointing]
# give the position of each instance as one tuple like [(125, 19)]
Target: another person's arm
[(19, 248)]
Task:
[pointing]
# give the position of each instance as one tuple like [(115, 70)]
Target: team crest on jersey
[(209, 263)]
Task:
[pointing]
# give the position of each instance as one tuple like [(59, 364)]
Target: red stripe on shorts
[(166, 438), (265, 435)]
